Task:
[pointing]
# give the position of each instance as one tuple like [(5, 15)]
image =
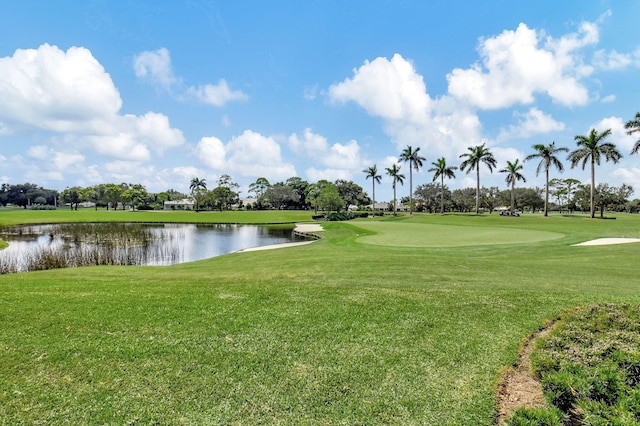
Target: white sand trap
[(606, 241), (300, 227), (276, 246), (308, 227)]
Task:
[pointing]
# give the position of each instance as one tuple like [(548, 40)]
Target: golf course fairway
[(369, 325)]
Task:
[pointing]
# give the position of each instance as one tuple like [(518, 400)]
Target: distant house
[(184, 204), (381, 206), (246, 202)]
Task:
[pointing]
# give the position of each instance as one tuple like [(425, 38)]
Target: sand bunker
[(606, 241), (300, 227), (308, 227)]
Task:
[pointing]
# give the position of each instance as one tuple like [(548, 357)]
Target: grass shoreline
[(336, 332)]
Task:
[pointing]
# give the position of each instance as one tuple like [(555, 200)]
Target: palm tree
[(634, 126), (590, 149), (394, 172), (415, 163), (513, 175), (196, 185), (372, 172), (547, 155), (477, 154), (441, 170)]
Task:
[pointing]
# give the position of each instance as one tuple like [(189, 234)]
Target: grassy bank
[(374, 324), (12, 216)]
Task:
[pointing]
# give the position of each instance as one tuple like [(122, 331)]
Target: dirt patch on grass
[(518, 387)]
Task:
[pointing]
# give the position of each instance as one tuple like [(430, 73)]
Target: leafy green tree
[(441, 170), (612, 197), (463, 199), (590, 148), (135, 196), (530, 198), (351, 193), (197, 188), (633, 126), (222, 198), (226, 181), (280, 195), (548, 157), (558, 189), (329, 198), (431, 196), (372, 172), (513, 170), (259, 187), (113, 195), (414, 159), (489, 197), (72, 196), (476, 156), (396, 176), (300, 186)]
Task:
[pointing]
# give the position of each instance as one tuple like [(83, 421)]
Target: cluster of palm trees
[(590, 150)]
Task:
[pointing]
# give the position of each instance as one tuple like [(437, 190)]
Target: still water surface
[(151, 244)]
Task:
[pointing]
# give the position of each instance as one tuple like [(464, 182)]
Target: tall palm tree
[(590, 149), (513, 175), (634, 126), (394, 172), (372, 172), (477, 155), (196, 186), (547, 155), (415, 163), (441, 170)]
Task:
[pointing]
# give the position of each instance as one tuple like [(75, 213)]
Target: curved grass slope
[(335, 332), (433, 235)]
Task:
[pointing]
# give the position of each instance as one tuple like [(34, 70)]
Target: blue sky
[(158, 92)]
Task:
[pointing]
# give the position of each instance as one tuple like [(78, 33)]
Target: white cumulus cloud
[(530, 123), (385, 88), (340, 160), (249, 154), (216, 94), (155, 66), (516, 65), (55, 90)]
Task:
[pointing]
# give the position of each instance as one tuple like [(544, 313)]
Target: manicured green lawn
[(9, 216), (374, 324)]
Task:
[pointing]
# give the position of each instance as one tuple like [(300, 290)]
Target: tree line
[(590, 150), (296, 193)]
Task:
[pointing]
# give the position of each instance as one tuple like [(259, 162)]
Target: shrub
[(564, 388), (536, 417), (607, 385), (42, 207), (340, 216), (335, 216), (590, 365)]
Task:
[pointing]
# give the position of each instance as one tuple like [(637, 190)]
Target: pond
[(37, 247)]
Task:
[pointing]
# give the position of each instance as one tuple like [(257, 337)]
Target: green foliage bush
[(563, 389), (335, 216), (536, 417), (590, 365), (340, 216), (42, 207)]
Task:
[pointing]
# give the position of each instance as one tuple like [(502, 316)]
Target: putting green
[(429, 235)]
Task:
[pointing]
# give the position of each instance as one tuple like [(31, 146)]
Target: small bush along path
[(588, 366)]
